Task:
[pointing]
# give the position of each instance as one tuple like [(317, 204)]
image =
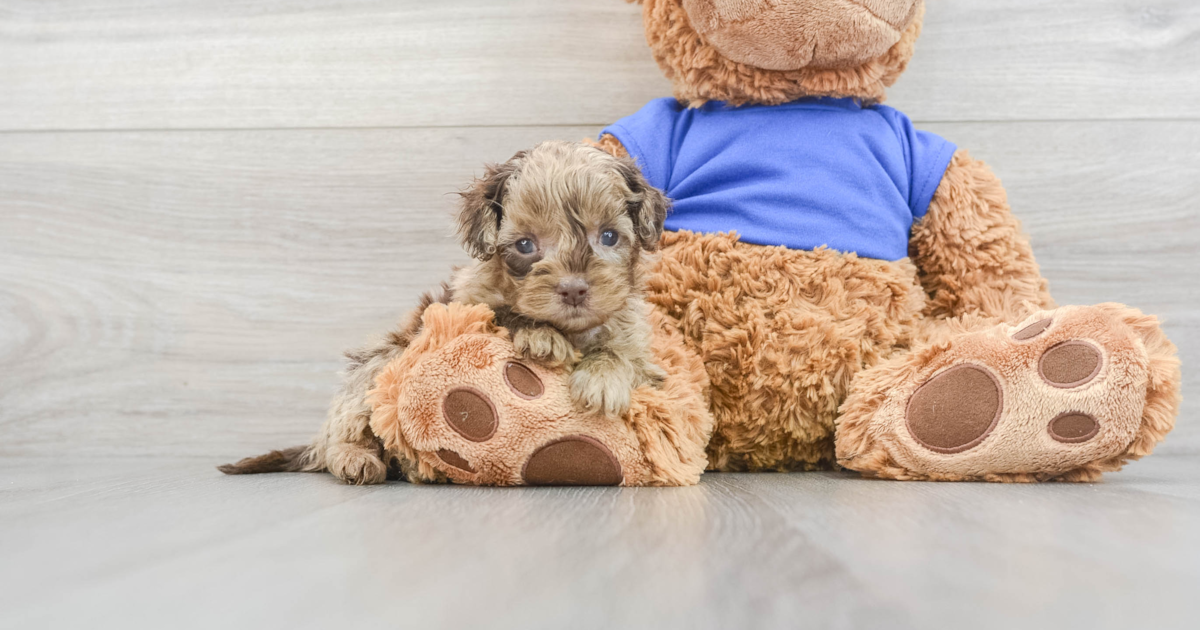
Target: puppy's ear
[(482, 209), (647, 206)]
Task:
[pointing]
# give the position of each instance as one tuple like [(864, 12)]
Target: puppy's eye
[(608, 238), (525, 246)]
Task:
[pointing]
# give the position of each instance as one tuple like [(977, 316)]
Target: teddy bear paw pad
[(523, 381), (1032, 330), (956, 409), (574, 460)]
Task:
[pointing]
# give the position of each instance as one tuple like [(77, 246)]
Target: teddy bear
[(835, 289)]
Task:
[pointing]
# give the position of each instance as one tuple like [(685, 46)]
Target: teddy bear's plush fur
[(951, 364), (536, 435), (702, 73), (808, 348)]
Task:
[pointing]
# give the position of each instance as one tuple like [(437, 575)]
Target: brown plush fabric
[(701, 73), (795, 34), (660, 441), (782, 333), (971, 252), (609, 144), (1134, 398)]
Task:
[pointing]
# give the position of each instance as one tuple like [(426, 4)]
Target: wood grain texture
[(181, 64), (154, 281), (155, 543), (191, 292)]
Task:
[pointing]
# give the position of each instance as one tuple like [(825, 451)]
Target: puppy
[(558, 235)]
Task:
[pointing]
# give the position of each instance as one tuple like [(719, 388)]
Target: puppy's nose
[(573, 291)]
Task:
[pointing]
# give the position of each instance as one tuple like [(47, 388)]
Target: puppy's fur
[(558, 234)]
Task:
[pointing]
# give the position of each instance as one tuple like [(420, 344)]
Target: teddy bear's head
[(774, 51)]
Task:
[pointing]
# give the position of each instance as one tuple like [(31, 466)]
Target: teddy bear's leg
[(1063, 394), (782, 333), (459, 404)]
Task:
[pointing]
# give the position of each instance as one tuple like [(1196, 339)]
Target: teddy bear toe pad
[(1073, 427), (470, 413), (523, 381), (1070, 364), (454, 459), (1032, 330)]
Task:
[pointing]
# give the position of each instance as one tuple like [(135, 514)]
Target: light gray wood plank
[(191, 292), (203, 64), (1063, 60), (153, 543), (187, 279), (135, 64)]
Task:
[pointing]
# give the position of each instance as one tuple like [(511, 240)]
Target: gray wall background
[(204, 202)]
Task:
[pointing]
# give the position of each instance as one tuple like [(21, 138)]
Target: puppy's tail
[(294, 459)]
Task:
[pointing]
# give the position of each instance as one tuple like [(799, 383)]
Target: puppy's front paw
[(545, 345), (596, 388)]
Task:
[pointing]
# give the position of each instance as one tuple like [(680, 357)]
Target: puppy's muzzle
[(573, 291)]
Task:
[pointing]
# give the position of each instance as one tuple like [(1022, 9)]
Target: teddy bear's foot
[(1065, 394), (517, 434), (464, 407)]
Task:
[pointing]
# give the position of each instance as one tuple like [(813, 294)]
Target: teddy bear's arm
[(970, 251), (609, 144)]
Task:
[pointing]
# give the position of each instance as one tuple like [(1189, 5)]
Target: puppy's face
[(561, 227)]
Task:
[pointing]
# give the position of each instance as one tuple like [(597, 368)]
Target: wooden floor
[(155, 543), (204, 202)]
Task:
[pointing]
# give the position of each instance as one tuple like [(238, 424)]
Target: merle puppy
[(558, 234)]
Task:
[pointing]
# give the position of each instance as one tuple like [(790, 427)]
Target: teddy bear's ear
[(482, 209), (647, 205)]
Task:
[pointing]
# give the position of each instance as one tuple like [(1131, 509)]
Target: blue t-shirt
[(817, 171)]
